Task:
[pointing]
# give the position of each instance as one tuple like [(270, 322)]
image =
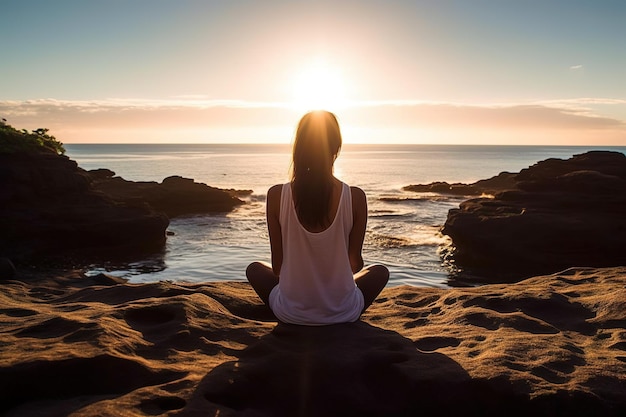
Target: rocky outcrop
[(502, 181), (51, 208), (548, 346), (562, 213), (48, 210), (175, 196)]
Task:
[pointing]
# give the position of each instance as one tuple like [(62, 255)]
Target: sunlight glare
[(319, 87)]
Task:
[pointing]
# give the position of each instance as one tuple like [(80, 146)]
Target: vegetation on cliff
[(13, 140)]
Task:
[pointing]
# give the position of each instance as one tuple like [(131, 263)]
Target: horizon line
[(348, 144)]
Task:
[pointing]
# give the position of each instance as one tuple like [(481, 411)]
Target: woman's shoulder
[(274, 192), (273, 199), (359, 201), (277, 188), (357, 193)]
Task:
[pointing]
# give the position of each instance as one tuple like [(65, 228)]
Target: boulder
[(502, 181), (562, 213)]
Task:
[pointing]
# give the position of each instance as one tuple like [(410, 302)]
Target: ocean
[(403, 229)]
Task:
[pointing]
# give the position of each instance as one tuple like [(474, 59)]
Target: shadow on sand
[(346, 369)]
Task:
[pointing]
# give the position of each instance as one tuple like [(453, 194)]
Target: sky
[(531, 72)]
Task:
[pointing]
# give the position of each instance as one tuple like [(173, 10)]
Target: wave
[(389, 214), (254, 198), (388, 241), (422, 198)]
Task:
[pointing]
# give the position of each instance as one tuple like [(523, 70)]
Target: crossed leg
[(262, 278), (371, 280)]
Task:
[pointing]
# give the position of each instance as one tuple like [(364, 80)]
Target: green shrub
[(13, 140)]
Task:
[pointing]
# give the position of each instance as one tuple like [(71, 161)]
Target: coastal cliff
[(553, 215), (48, 210), (52, 210)]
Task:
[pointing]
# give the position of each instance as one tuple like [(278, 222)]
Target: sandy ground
[(551, 345)]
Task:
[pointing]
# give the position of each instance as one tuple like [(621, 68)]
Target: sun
[(319, 86)]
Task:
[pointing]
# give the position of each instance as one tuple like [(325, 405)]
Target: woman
[(316, 228)]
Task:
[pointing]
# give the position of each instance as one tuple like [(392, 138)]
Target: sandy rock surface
[(550, 345)]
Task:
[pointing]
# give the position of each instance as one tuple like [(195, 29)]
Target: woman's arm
[(359, 224), (273, 226)]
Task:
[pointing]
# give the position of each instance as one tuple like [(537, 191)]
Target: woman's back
[(316, 281)]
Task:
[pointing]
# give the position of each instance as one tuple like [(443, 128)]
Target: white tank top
[(316, 285)]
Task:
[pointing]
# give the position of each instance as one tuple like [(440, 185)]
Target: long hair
[(316, 145)]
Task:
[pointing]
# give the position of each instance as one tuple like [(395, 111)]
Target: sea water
[(403, 228)]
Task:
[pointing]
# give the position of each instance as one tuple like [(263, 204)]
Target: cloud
[(571, 114), (584, 101), (198, 118), (576, 67), (140, 112)]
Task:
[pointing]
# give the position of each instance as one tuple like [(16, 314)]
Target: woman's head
[(317, 143), (315, 148)]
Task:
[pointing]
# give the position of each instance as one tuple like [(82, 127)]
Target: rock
[(563, 213), (106, 279), (48, 210), (52, 209), (100, 174), (175, 195), (502, 181), (546, 346)]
